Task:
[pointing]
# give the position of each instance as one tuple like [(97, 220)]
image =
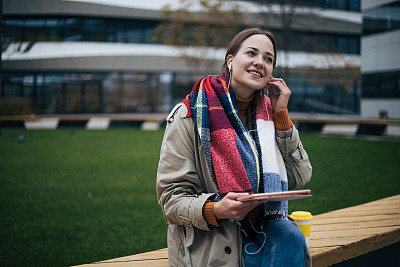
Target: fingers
[(230, 208), (280, 96), (273, 79), (240, 210), (232, 195), (280, 84)]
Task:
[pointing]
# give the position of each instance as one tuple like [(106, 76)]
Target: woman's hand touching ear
[(280, 99)]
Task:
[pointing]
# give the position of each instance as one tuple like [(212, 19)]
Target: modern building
[(98, 56), (380, 59)]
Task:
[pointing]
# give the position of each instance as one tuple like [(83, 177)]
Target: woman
[(226, 140)]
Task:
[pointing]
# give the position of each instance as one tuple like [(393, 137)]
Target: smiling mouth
[(256, 73)]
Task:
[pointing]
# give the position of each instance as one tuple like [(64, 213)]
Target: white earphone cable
[(265, 239)]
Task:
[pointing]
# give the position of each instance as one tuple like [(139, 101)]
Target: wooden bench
[(347, 233), (336, 236), (148, 121), (341, 125), (87, 117), (346, 125)]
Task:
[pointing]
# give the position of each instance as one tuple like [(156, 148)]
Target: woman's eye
[(251, 53), (268, 59)]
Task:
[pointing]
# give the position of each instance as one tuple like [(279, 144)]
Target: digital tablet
[(277, 196)]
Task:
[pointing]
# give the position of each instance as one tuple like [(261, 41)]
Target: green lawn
[(68, 199), (347, 172)]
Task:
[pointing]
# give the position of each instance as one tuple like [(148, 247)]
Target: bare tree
[(283, 15), (198, 28)]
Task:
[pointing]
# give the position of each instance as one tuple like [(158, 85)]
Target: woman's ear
[(229, 60)]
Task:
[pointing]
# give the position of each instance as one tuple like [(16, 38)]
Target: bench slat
[(359, 213), (326, 221), (358, 224), (352, 232), (320, 245)]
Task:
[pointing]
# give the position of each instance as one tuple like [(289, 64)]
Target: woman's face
[(252, 65)]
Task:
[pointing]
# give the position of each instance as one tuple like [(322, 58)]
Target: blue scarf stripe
[(237, 123)]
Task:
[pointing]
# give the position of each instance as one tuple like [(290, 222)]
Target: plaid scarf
[(237, 161)]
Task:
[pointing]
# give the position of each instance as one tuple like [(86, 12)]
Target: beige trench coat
[(184, 184)]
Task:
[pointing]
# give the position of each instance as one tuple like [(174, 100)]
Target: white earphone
[(230, 65)]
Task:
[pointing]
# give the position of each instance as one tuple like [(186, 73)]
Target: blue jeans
[(275, 243)]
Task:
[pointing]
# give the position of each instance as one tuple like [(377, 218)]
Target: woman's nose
[(258, 61)]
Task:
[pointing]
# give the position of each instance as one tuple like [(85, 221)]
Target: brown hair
[(233, 49)]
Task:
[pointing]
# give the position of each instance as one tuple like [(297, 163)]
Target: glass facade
[(381, 19), (134, 92), (141, 31), (350, 5), (112, 92), (78, 29), (323, 91), (381, 85), (321, 42)]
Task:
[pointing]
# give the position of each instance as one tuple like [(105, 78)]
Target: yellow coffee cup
[(303, 219)]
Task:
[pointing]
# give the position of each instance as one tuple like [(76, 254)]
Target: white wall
[(370, 108), (380, 52)]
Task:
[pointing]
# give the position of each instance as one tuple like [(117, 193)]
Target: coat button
[(228, 250)]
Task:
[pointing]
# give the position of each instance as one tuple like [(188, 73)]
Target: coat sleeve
[(298, 166), (179, 190)]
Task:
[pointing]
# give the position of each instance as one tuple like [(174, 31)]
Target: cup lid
[(301, 215)]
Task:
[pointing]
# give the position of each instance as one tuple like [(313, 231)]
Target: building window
[(381, 19), (381, 85), (140, 92), (140, 31), (91, 92), (350, 5), (78, 29), (321, 42)]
